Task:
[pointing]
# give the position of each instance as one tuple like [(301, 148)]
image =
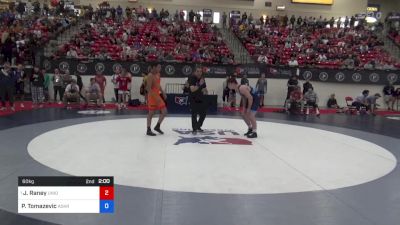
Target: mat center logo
[(210, 136)]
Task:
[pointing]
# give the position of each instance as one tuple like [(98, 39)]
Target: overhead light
[(280, 8), (371, 19)]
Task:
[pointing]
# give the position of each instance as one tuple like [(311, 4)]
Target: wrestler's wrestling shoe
[(252, 135), (150, 133), (157, 128), (249, 131)]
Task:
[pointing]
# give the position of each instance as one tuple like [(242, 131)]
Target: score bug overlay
[(64, 194)]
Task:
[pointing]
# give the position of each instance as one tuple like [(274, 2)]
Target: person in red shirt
[(123, 82), (295, 99), (101, 80)]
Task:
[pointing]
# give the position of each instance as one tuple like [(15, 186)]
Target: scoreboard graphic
[(322, 2), (65, 194)]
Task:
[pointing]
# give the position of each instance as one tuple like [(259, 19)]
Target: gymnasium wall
[(257, 7), (276, 89)]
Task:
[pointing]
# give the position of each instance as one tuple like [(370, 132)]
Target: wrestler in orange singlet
[(154, 99)]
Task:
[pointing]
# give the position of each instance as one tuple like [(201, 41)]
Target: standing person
[(58, 85), (37, 85), (198, 104), (79, 82), (123, 82), (224, 17), (7, 84), (155, 98), (114, 81), (307, 85), (143, 88), (19, 74), (292, 84), (261, 88), (251, 103), (388, 91), (225, 91), (244, 80), (46, 84), (128, 74), (102, 81)]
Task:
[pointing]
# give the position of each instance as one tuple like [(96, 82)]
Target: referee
[(198, 103)]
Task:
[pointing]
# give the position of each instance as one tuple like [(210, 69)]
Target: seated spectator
[(295, 101), (332, 103), (361, 100), (71, 94), (388, 95), (369, 65), (311, 99), (262, 59), (322, 58), (293, 62), (93, 93), (72, 54)]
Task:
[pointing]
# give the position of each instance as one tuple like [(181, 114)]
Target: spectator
[(186, 87), (332, 102), (293, 62), (72, 53), (71, 94), (292, 84), (371, 103), (225, 91), (191, 16), (102, 81), (46, 85), (7, 85), (93, 92), (307, 85), (66, 78), (224, 18), (123, 82), (311, 99), (261, 87), (244, 80), (388, 97), (361, 100), (115, 83), (294, 100), (20, 75), (37, 85), (80, 85), (58, 87)]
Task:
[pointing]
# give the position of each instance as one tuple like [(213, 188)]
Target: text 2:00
[(104, 181)]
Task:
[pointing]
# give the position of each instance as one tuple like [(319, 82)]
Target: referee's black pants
[(199, 113)]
